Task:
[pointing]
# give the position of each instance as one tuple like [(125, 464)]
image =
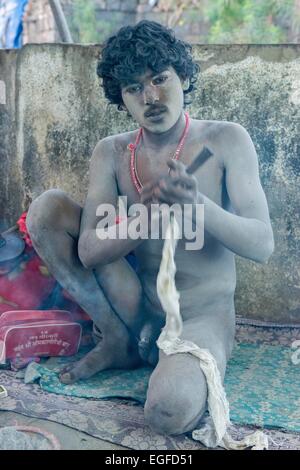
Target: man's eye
[(160, 80), (134, 89)]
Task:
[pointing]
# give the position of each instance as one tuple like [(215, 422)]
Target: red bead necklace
[(132, 147)]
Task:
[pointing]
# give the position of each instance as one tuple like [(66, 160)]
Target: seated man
[(148, 72)]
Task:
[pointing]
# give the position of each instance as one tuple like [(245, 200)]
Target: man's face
[(155, 100)]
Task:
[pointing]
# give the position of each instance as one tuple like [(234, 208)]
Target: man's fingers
[(185, 181), (177, 191), (179, 175), (173, 194), (176, 187), (173, 167), (168, 199), (176, 165)]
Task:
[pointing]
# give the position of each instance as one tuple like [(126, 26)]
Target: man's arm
[(248, 232), (102, 190)]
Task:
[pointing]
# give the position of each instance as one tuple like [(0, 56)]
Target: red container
[(37, 334), (32, 316)]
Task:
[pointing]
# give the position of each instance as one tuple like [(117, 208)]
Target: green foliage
[(85, 26), (229, 21), (249, 21), (241, 21)]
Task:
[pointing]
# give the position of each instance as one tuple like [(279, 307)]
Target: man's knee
[(171, 415), (45, 212)]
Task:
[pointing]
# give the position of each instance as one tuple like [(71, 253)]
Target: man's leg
[(53, 223), (177, 393)]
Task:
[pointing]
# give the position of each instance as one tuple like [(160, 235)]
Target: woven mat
[(122, 421)]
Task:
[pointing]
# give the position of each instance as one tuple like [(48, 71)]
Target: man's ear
[(185, 84), (122, 107)]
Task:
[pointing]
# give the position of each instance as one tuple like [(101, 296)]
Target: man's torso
[(205, 278)]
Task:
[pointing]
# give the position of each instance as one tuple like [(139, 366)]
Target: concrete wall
[(49, 126), (11, 191)]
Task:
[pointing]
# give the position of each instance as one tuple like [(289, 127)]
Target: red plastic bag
[(26, 284)]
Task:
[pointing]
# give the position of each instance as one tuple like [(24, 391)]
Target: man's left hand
[(177, 188)]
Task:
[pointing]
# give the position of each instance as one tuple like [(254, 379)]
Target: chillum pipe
[(201, 158)]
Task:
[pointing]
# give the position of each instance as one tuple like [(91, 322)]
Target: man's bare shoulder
[(114, 145), (215, 131), (225, 139)]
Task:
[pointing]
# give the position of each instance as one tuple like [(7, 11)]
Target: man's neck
[(172, 136)]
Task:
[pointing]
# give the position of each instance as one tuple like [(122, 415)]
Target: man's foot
[(103, 356)]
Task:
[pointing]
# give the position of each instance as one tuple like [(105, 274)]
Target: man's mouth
[(155, 112)]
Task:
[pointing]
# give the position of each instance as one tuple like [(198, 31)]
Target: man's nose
[(151, 94)]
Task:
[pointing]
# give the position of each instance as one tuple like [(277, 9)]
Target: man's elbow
[(267, 248)]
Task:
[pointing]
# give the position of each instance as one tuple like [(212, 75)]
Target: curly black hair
[(134, 49)]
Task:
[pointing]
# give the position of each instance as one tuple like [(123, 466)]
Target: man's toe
[(68, 378)]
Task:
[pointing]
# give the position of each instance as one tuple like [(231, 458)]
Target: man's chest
[(210, 176)]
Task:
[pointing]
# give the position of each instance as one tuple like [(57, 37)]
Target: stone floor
[(69, 438)]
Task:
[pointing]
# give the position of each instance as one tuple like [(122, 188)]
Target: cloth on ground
[(256, 395), (116, 420)]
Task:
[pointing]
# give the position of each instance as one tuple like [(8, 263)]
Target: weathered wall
[(259, 87), (61, 113), (11, 192)]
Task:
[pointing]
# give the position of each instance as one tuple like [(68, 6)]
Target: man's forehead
[(149, 73)]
